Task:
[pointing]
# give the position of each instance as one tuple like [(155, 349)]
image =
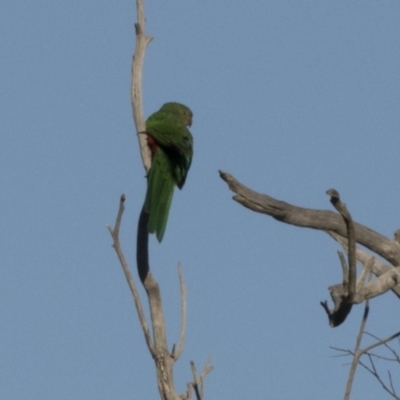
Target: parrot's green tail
[(160, 188)]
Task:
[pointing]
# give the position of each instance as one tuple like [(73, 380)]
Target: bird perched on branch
[(171, 146)]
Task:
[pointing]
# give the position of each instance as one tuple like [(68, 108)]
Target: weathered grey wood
[(377, 267), (324, 220), (343, 294)]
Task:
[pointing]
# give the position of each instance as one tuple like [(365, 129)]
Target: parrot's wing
[(168, 130), (175, 139), (160, 188)]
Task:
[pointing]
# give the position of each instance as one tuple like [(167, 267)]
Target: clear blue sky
[(291, 97)]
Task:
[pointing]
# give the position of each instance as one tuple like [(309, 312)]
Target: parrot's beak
[(190, 122)]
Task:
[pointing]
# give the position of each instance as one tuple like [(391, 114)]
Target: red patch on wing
[(153, 145)]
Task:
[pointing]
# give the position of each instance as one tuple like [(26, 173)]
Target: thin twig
[(393, 390), (197, 385), (375, 373), (178, 351), (380, 342), (125, 267), (357, 352), (195, 381)]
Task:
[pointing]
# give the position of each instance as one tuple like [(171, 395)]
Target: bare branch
[(372, 368), (198, 380), (159, 350), (342, 209), (378, 268), (178, 351), (375, 373), (357, 352), (334, 225), (164, 360), (136, 298), (315, 219), (381, 342), (365, 272), (343, 295), (345, 269), (142, 42), (158, 345), (392, 389), (195, 384)]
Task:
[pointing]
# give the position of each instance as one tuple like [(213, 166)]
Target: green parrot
[(171, 146)]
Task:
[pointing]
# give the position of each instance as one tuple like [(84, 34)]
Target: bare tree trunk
[(157, 341)]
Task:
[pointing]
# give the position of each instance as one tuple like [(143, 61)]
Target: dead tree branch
[(117, 246), (323, 220), (388, 277), (343, 294), (197, 385), (157, 344), (176, 352), (371, 367), (333, 224), (163, 359), (357, 352), (142, 42)]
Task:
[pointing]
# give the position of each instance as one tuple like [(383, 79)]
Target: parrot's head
[(181, 111)]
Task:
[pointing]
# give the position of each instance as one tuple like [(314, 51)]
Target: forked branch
[(157, 344), (358, 352), (338, 227), (117, 246), (323, 220), (343, 294)]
